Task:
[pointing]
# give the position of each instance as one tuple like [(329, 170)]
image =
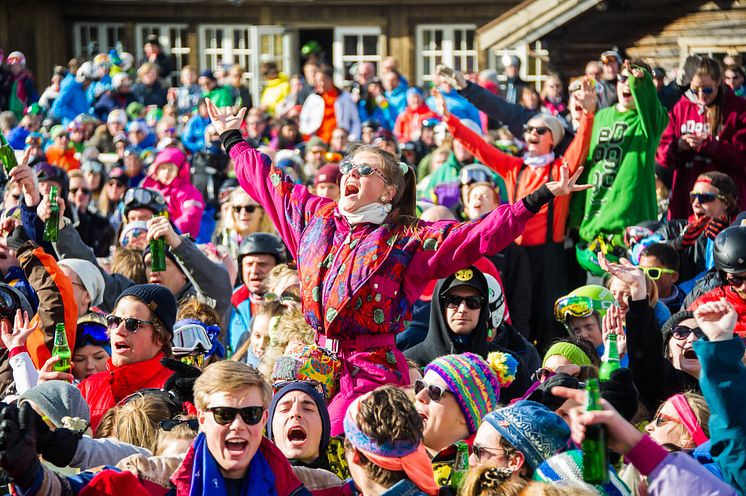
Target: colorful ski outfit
[(358, 283)]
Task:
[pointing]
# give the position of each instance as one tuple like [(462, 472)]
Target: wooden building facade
[(548, 35)]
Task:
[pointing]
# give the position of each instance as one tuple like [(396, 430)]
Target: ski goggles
[(144, 197), (573, 306), (655, 273), (90, 332), (470, 176), (190, 338)]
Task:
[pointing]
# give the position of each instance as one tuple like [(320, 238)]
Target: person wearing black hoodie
[(457, 327)]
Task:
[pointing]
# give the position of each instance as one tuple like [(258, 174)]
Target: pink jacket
[(363, 280), (185, 203), (724, 151)]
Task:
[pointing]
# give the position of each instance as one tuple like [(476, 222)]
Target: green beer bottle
[(610, 362), (461, 466), (52, 225), (595, 457), (7, 155), (61, 349), (158, 252)]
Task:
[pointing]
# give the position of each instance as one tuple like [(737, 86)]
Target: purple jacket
[(675, 473), (364, 279)]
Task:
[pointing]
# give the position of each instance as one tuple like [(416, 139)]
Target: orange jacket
[(56, 301), (513, 170)]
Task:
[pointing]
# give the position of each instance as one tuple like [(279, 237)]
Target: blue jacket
[(17, 137), (71, 102), (723, 384), (194, 134), (458, 106), (398, 98), (240, 322)]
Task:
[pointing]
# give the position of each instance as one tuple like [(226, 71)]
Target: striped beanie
[(566, 469), (472, 382)]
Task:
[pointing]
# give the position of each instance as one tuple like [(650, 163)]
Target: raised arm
[(577, 152), (289, 206), (500, 162), (461, 244), (653, 114), (509, 114)]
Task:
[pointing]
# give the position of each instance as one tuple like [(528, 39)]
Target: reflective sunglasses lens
[(251, 414), (112, 322), (419, 385)]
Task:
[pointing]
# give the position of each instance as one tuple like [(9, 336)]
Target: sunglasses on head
[(168, 425), (131, 324), (735, 280), (704, 197), (540, 130), (224, 415), (434, 392), (249, 208), (345, 167), (472, 302), (655, 273), (681, 332)]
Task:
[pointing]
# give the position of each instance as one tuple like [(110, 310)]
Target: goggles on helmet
[(573, 306)]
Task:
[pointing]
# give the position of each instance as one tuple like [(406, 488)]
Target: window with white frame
[(173, 39), (247, 46), (534, 62), (91, 38), (354, 45), (450, 44)]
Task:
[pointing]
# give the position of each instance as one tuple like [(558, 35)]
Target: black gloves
[(18, 444), (621, 392), (181, 382), (543, 394), (56, 446)]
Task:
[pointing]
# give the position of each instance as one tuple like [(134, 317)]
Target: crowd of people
[(376, 289)]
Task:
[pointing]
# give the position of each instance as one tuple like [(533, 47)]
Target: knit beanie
[(567, 470), (532, 429), (58, 399), (317, 397), (570, 351), (158, 299), (473, 383), (89, 275), (555, 127)]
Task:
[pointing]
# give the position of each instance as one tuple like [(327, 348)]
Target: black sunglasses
[(472, 302), (224, 415), (131, 324), (434, 392), (704, 197), (541, 130), (249, 208), (681, 332), (85, 191), (735, 280), (168, 425)]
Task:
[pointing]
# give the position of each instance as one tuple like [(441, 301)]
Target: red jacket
[(730, 295), (409, 123), (104, 390), (724, 151)]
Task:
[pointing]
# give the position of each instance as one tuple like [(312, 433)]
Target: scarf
[(207, 479), (411, 458), (373, 213), (538, 161)]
